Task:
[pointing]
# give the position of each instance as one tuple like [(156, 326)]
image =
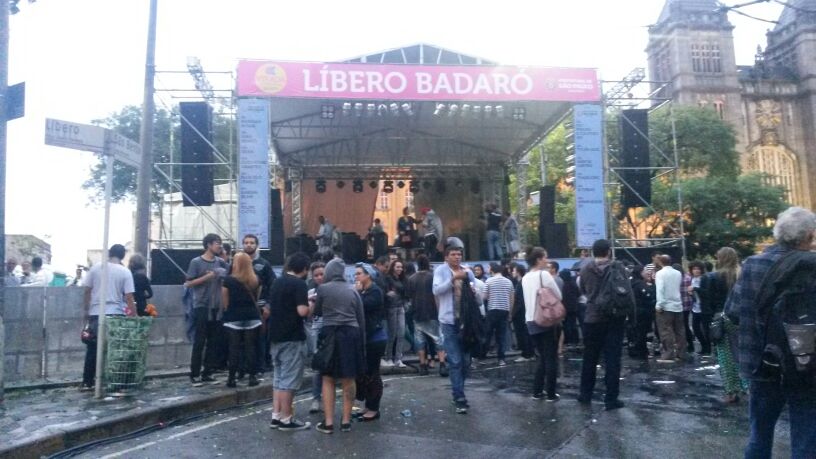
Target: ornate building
[(771, 104)]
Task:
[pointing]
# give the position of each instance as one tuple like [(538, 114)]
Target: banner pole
[(102, 296)]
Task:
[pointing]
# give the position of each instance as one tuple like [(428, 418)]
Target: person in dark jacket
[(141, 284), (569, 297), (641, 322), (369, 383), (517, 317), (241, 318)]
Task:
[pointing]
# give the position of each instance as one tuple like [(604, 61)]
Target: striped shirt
[(498, 289)]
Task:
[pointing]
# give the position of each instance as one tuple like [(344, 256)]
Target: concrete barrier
[(43, 326)]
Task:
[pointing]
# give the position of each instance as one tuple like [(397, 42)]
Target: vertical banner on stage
[(590, 206), (253, 169)]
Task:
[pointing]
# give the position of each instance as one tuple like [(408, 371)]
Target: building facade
[(771, 104)]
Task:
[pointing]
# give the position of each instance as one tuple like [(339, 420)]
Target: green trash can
[(126, 359)]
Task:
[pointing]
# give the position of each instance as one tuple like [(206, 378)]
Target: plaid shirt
[(742, 304), (688, 300)]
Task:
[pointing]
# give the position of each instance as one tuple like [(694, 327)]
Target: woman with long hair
[(395, 312), (713, 293), (370, 384), (239, 295), (141, 284)]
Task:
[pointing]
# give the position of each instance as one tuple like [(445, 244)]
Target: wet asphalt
[(672, 411)]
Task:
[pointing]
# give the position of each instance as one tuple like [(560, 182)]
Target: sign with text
[(77, 136), (590, 205), (253, 169), (123, 149), (416, 82)]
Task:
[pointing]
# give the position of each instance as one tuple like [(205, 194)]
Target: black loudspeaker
[(301, 243), (380, 245), (196, 138), (276, 236), (553, 237), (353, 248), (164, 266), (546, 204), (634, 128)]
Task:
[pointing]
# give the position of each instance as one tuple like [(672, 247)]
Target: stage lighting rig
[(388, 186), (320, 186), (357, 186)]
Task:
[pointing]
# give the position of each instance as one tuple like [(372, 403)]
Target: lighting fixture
[(519, 113), (477, 109), (453, 110), (394, 108), (320, 186), (370, 109), (465, 109), (388, 186), (327, 112), (358, 109), (499, 111), (407, 109), (440, 108), (488, 110), (357, 186), (341, 184), (400, 184), (346, 108), (382, 109), (373, 184), (413, 187)]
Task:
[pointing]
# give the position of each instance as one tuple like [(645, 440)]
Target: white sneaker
[(399, 364), (522, 359), (386, 363)]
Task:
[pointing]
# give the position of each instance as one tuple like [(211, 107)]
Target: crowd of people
[(453, 314)]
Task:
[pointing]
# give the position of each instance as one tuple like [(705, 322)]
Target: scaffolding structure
[(633, 92)]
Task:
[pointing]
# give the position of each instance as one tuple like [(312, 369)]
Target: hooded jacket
[(590, 277), (337, 302)]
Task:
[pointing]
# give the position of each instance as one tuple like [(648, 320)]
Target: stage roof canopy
[(414, 112)]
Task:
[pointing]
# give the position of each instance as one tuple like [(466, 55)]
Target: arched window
[(782, 168)]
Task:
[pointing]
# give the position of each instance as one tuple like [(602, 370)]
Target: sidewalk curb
[(130, 422)]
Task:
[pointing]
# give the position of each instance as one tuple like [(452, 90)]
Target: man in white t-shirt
[(118, 301), (40, 277), (669, 308)]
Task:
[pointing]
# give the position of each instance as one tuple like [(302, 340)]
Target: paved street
[(671, 411)]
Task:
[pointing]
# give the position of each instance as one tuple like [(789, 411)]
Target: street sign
[(74, 135), (123, 149), (15, 101)]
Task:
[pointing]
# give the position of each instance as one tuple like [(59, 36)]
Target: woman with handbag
[(370, 384), (340, 354), (242, 319), (713, 292)]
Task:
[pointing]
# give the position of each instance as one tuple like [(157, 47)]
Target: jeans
[(766, 404), (546, 344), (606, 337), (494, 250), (497, 323), (204, 343), (701, 324), (250, 340), (370, 384), (672, 334), (525, 345), (458, 360), (396, 333)]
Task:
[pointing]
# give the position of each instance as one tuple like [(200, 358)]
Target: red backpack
[(548, 310)]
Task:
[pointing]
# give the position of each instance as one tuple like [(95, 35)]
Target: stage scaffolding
[(633, 92), (217, 89)]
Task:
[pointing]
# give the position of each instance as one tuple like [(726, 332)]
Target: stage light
[(477, 110), (440, 108), (465, 110), (370, 109), (341, 184), (320, 186), (327, 112), (440, 186), (407, 109), (519, 113), (488, 110), (358, 109), (388, 186), (499, 111), (373, 184), (413, 187), (394, 108), (400, 184), (382, 109), (453, 110), (475, 186), (346, 108), (357, 186)]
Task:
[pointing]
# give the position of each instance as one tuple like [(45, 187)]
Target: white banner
[(253, 169), (590, 205)]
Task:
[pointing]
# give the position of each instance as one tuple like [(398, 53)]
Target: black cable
[(788, 4), (753, 17)]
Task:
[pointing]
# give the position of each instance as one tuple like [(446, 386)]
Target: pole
[(4, 54), (144, 185), (102, 295), (677, 181)]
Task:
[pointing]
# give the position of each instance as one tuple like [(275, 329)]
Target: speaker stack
[(634, 157), (552, 236), (196, 141)]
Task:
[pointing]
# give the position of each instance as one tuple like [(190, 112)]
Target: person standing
[(794, 231), (324, 235), (419, 289), (433, 232), (518, 314), (143, 291), (395, 310), (117, 301), (242, 321), (500, 294), (406, 231), (669, 310), (266, 276), (544, 339), (700, 322), (369, 383), (493, 220), (289, 304), (449, 283), (40, 277), (687, 298), (11, 279), (602, 334), (511, 234), (344, 322), (313, 325), (204, 277), (569, 297), (644, 314)]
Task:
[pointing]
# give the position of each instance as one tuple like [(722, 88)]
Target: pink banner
[(416, 82)]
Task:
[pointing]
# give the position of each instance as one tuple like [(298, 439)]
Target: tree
[(166, 147)]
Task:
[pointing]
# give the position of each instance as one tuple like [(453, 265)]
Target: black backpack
[(613, 296), (787, 311)]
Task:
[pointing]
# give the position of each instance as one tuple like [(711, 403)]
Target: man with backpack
[(774, 295), (609, 301)]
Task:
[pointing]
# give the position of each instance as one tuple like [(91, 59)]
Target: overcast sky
[(83, 59)]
